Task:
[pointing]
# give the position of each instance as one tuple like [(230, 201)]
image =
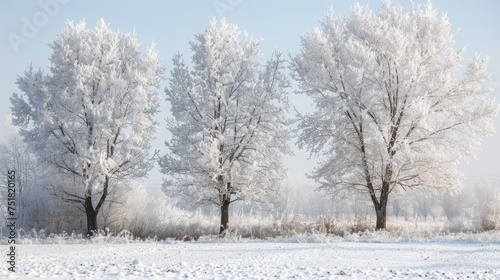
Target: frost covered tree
[(15, 156), (91, 118), (229, 126), (394, 106), (33, 200)]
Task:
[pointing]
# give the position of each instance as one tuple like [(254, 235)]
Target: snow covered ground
[(334, 259)]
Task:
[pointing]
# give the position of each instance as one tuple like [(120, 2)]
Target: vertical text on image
[(11, 219)]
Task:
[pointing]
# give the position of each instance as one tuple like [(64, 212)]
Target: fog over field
[(247, 139)]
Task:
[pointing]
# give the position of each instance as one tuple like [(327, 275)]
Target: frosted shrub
[(459, 224), (361, 224), (490, 219), (462, 223), (328, 224)]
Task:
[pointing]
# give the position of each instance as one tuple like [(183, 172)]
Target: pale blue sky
[(171, 24)]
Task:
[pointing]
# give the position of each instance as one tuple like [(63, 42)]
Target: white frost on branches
[(394, 108), (229, 126), (92, 116)]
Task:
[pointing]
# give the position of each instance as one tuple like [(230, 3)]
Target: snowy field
[(282, 259)]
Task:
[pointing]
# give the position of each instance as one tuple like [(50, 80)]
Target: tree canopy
[(229, 126), (394, 107), (91, 118)]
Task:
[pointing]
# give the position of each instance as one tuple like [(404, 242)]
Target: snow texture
[(260, 260)]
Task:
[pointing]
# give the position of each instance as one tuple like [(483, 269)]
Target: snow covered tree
[(229, 126), (91, 118), (36, 208), (394, 107)]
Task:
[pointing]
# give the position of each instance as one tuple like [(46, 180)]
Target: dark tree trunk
[(381, 211), (91, 217), (381, 207), (93, 212), (224, 215)]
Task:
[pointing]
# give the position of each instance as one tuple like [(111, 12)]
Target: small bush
[(361, 224), (490, 219)]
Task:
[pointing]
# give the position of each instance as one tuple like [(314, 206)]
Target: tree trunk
[(381, 211), (224, 215), (91, 217), (381, 208), (93, 212)]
